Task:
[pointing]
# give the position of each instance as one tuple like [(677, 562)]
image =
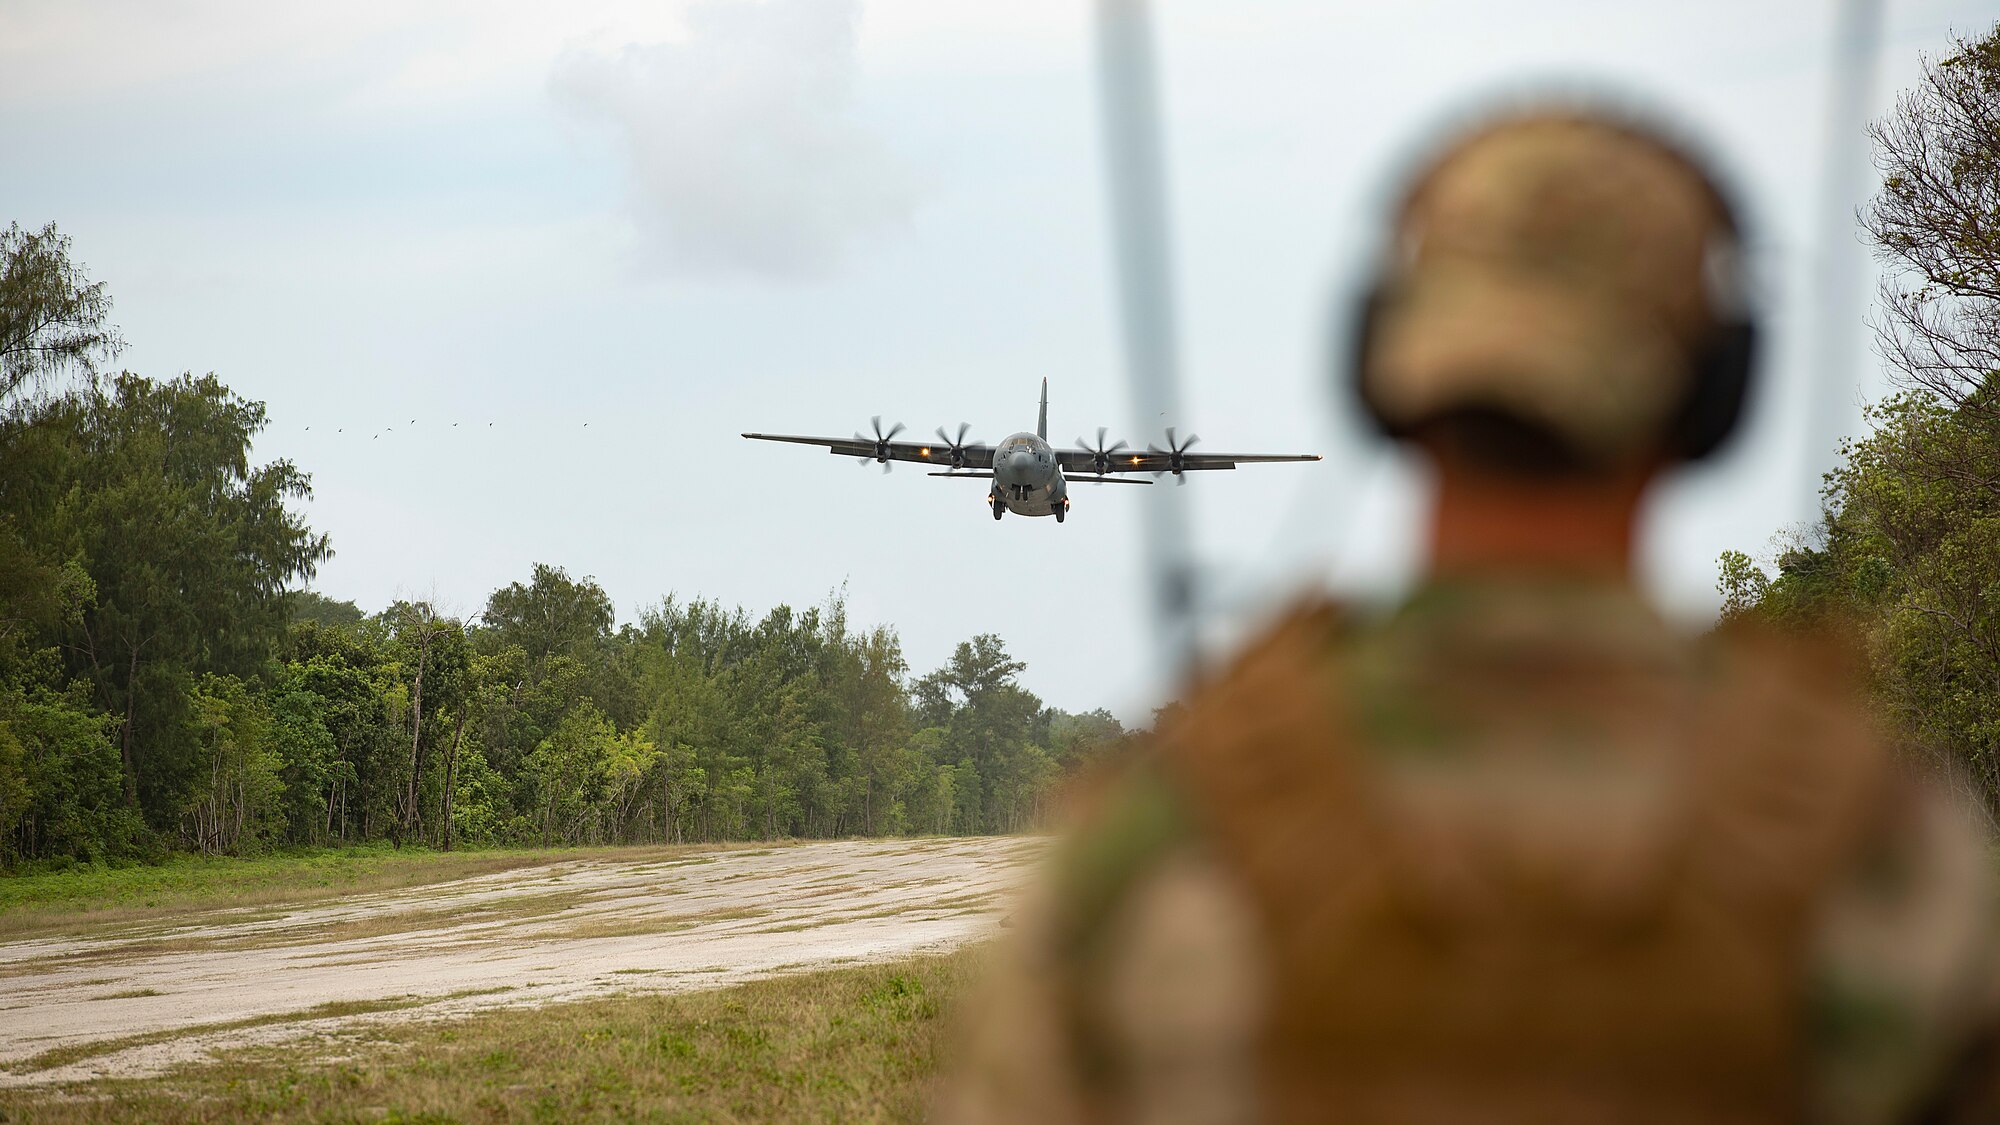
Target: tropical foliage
[(167, 682), (1908, 547)]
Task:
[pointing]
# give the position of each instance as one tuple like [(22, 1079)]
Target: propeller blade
[(1101, 454), (1175, 452), (955, 446)]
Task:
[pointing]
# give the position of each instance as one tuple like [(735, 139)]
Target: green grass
[(96, 1048), (860, 1044), (91, 895)]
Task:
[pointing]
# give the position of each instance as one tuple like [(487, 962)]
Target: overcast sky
[(513, 276)]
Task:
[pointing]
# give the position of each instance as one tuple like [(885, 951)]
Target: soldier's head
[(1560, 296)]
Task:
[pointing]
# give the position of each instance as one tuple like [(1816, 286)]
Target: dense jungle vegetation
[(1907, 549), (167, 680)]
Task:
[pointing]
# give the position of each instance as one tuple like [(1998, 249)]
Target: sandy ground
[(521, 938)]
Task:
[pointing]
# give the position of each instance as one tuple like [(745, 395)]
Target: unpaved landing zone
[(141, 999)]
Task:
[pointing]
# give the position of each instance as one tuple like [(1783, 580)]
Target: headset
[(1719, 368)]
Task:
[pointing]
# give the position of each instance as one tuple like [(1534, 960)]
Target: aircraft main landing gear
[(1061, 511), (999, 507)]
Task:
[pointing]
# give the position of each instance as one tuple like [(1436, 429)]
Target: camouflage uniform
[(1518, 852)]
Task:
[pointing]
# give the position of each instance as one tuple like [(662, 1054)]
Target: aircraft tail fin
[(1042, 423)]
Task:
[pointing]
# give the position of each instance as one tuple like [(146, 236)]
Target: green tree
[(310, 762), (1908, 549), (1742, 584), (553, 615), (52, 318), (188, 548), (570, 769), (434, 661), (319, 609), (1936, 226), (59, 781), (235, 806)]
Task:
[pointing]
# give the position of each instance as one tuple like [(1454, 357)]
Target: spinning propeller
[(881, 443), (955, 447), (1175, 453), (1100, 454)]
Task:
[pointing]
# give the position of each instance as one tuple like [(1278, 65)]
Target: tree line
[(167, 681), (1907, 550)]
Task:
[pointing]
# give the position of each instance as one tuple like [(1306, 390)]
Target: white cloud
[(744, 155)]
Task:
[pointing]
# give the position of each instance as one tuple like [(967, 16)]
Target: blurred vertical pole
[(1135, 173), (1834, 374)]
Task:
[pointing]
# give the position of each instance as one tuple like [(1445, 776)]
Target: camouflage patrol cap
[(1562, 268)]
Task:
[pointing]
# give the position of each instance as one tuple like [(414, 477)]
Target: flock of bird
[(391, 429)]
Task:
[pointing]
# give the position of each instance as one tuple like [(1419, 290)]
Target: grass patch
[(859, 1044), (97, 1048), (131, 994), (956, 901), (641, 924), (335, 932), (92, 896)]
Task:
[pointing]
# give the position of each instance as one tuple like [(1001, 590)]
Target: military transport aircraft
[(1027, 473)]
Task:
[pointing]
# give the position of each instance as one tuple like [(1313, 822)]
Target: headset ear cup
[(1721, 384), (1710, 414)]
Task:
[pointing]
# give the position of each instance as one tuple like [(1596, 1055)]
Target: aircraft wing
[(1084, 462), (973, 456)]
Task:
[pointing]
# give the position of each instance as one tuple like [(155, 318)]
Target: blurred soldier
[(1518, 852)]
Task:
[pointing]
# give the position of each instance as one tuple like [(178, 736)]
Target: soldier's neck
[(1485, 523)]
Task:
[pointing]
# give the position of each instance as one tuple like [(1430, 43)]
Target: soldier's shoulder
[(1144, 813), (1285, 657), (1133, 820)]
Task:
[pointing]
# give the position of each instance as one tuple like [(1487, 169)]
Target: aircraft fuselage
[(1026, 478)]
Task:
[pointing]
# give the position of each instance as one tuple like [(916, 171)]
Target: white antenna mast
[(1833, 376), (1137, 178)]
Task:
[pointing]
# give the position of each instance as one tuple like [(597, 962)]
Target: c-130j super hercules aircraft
[(1026, 471)]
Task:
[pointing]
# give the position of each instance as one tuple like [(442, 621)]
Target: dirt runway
[(154, 996)]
